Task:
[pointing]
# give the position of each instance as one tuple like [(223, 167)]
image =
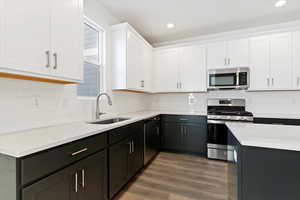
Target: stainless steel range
[(221, 111)]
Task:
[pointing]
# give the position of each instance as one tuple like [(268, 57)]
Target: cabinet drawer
[(123, 132), (46, 162), (184, 118)]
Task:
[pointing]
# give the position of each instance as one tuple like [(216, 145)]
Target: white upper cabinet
[(67, 38), (131, 62), (271, 62), (180, 69), (296, 60), (217, 55), (26, 35), (146, 69), (42, 39), (166, 63), (238, 53), (281, 61), (233, 53), (192, 67), (260, 63), (134, 53)]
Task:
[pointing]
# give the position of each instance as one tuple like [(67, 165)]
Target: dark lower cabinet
[(118, 166), (135, 159), (125, 160), (195, 138), (184, 134), (172, 136), (87, 179)]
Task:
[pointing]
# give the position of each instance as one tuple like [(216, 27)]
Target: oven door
[(223, 80), (217, 140), (217, 132)]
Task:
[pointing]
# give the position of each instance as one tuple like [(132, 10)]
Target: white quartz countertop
[(267, 135), (23, 143)]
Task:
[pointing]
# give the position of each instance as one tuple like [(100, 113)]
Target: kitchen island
[(266, 162)]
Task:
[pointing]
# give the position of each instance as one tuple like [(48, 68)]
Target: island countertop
[(266, 135)]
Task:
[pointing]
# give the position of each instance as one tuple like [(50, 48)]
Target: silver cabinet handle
[(235, 156), (79, 152), (272, 81), (225, 61), (298, 81), (55, 60), (157, 131), (48, 59), (142, 83), (129, 143), (83, 178), (229, 61), (183, 119), (180, 85), (132, 147), (268, 81), (76, 182)]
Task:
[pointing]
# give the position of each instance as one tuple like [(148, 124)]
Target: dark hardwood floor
[(179, 177)]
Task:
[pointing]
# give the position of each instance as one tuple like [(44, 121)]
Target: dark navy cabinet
[(86, 179), (184, 133), (263, 173), (125, 156)]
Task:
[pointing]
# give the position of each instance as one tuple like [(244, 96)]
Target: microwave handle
[(237, 78)]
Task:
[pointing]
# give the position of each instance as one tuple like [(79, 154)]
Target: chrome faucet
[(98, 113)]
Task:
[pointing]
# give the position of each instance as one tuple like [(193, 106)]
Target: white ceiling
[(198, 17)]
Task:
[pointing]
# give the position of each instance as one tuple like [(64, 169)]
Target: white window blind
[(93, 52)]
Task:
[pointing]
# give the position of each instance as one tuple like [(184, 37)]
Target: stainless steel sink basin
[(109, 121)]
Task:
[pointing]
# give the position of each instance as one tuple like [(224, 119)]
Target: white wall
[(26, 104)]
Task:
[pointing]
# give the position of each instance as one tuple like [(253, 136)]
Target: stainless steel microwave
[(233, 78)]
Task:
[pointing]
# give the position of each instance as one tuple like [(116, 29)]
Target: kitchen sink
[(109, 121)]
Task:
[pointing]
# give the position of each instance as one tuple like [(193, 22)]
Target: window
[(93, 60)]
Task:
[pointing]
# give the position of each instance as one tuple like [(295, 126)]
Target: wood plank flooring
[(179, 177)]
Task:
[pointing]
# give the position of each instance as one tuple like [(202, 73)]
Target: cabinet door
[(193, 68), (93, 177), (216, 55), (195, 138), (59, 186), (281, 61), (134, 54), (260, 63), (67, 39), (26, 35), (166, 63), (238, 53), (172, 138), (136, 161), (146, 70), (296, 60), (118, 166)]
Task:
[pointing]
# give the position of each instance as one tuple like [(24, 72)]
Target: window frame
[(102, 52)]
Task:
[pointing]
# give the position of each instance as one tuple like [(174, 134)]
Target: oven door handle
[(215, 122)]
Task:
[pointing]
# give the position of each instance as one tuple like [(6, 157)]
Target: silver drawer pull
[(183, 119), (79, 152)]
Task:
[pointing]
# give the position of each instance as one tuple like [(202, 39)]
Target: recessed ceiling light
[(280, 3), (170, 25)]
